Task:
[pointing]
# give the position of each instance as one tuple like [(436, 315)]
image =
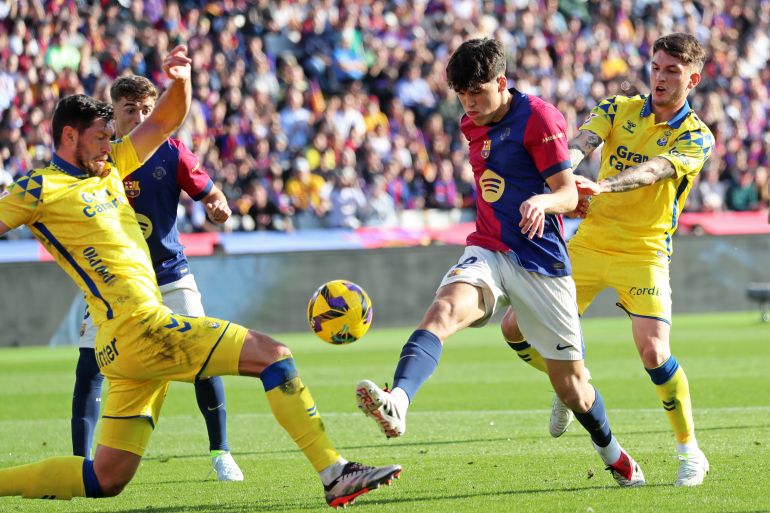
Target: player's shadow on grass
[(423, 443), (372, 502), (163, 458)]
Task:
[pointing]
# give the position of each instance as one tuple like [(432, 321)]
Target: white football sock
[(333, 471), (609, 454)]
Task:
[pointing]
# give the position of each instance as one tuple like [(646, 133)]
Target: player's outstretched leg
[(86, 400), (296, 411), (210, 395), (419, 358)]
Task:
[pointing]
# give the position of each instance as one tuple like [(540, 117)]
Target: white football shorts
[(546, 306), (181, 296)]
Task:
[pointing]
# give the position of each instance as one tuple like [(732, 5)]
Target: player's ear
[(69, 135), (695, 77), (502, 83)]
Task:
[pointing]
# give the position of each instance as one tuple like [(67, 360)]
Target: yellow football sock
[(54, 478), (675, 396), (529, 354), (295, 410)]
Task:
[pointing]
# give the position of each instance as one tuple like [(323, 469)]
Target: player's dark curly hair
[(475, 62), (133, 87), (78, 111), (682, 46)]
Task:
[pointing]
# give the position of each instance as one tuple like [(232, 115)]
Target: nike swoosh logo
[(560, 347), (215, 407)]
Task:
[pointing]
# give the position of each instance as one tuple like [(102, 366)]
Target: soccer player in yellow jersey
[(654, 146), (77, 208)]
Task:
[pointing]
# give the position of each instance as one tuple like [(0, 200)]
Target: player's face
[(486, 103), (129, 113), (93, 147), (672, 80)]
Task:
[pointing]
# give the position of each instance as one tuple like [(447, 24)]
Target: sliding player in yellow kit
[(77, 208), (654, 146)]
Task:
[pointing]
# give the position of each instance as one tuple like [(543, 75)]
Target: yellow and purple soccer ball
[(340, 312)]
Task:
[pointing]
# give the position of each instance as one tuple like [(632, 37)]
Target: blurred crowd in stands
[(332, 113)]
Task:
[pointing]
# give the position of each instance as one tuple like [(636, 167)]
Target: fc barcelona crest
[(486, 149), (132, 188)]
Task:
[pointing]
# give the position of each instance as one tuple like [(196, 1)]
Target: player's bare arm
[(170, 110), (582, 145), (216, 206), (3, 229), (562, 198), (647, 173)]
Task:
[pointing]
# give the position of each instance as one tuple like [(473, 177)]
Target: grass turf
[(477, 435)]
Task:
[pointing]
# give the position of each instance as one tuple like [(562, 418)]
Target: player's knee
[(113, 485), (259, 351), (443, 318), (654, 354)]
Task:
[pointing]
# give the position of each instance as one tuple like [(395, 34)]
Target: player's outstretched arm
[(171, 109), (646, 173), (582, 145), (216, 205)]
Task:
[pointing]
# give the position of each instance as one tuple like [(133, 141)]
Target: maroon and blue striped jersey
[(153, 190), (511, 160)]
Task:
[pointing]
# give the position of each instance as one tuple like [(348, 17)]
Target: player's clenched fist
[(218, 211)]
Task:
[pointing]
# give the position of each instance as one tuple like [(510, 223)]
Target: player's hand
[(177, 65), (582, 207), (218, 211), (532, 218), (586, 186)]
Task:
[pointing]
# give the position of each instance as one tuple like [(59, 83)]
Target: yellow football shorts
[(140, 355), (642, 283)]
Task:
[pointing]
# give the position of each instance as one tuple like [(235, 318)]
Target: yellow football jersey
[(643, 220), (88, 226)]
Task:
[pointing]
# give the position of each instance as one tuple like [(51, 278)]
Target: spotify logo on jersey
[(492, 186), (145, 224)]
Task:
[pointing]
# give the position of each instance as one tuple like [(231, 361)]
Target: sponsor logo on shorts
[(644, 291), (213, 325), (560, 347), (108, 354)]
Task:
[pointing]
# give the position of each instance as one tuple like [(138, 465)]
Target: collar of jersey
[(674, 122), (66, 167)]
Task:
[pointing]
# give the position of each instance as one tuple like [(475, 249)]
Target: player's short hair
[(132, 87), (475, 62), (682, 46), (78, 111)]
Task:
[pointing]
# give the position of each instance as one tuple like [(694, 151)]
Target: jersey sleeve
[(123, 156), (545, 138), (190, 176), (601, 118), (20, 205), (690, 151)]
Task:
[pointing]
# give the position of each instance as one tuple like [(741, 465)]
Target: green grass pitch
[(477, 437)]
